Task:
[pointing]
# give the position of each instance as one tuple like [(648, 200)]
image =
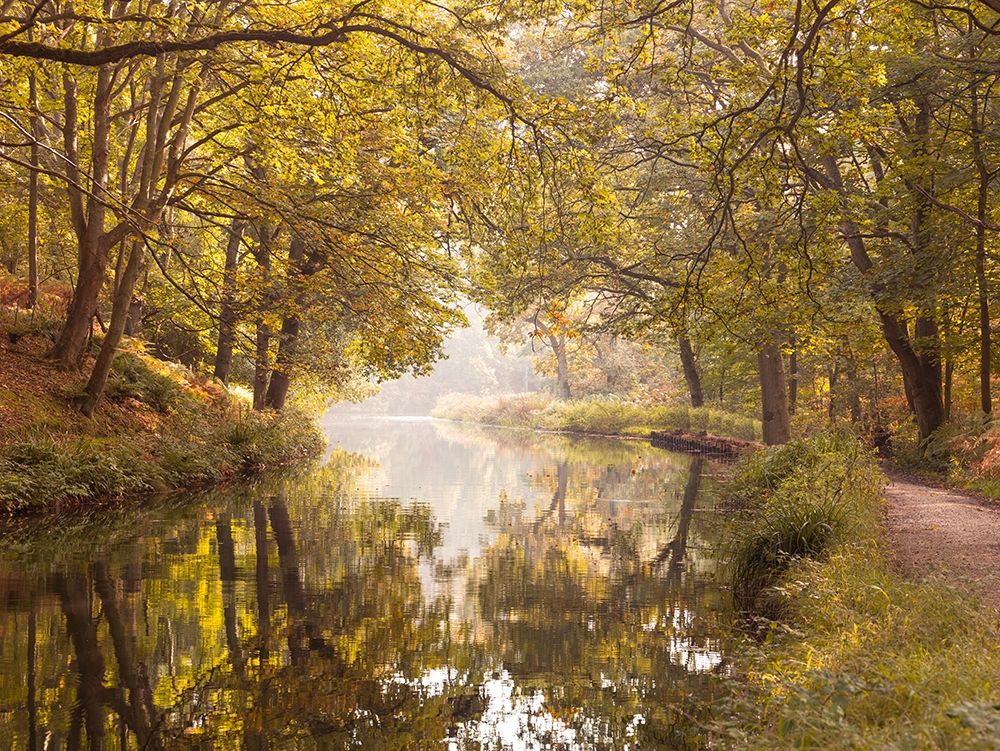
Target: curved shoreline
[(671, 440)]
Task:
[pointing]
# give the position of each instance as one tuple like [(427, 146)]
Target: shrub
[(133, 379), (252, 439), (45, 328), (107, 470), (799, 500), (287, 436), (187, 461)]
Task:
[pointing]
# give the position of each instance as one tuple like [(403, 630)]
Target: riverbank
[(162, 427), (596, 416), (847, 653)]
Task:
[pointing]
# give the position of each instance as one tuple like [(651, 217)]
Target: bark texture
[(774, 395)]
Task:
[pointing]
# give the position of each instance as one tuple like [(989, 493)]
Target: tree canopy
[(302, 192)]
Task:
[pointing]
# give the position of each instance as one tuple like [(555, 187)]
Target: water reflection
[(432, 585)]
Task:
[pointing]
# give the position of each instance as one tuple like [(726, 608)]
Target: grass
[(38, 473), (853, 656), (796, 501), (161, 427), (598, 415)]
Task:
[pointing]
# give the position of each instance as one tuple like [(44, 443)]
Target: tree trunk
[(774, 395), (854, 395), (793, 381), (10, 257), (262, 355), (834, 375), (927, 387), (921, 380), (120, 258), (71, 345), (691, 375), (92, 249), (136, 308), (227, 312), (949, 372), (277, 389), (33, 195), (985, 334), (982, 287), (923, 383), (116, 327), (558, 343), (261, 364)]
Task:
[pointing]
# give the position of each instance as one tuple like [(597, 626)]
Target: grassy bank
[(853, 656), (605, 416), (161, 427)]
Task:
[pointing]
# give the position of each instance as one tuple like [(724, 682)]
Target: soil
[(35, 400), (702, 443), (938, 532)]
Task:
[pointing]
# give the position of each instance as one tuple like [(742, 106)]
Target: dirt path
[(945, 532)]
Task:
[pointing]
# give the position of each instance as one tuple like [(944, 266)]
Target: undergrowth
[(853, 656), (793, 501), (601, 415), (202, 435), (131, 378)]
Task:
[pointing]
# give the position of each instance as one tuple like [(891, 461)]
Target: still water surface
[(429, 586)]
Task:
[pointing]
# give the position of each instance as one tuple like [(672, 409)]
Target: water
[(430, 586)]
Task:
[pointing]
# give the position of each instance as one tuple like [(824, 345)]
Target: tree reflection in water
[(433, 586)]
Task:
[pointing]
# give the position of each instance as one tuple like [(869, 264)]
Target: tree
[(193, 107)]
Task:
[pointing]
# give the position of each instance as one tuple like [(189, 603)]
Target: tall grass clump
[(854, 656), (797, 501)]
